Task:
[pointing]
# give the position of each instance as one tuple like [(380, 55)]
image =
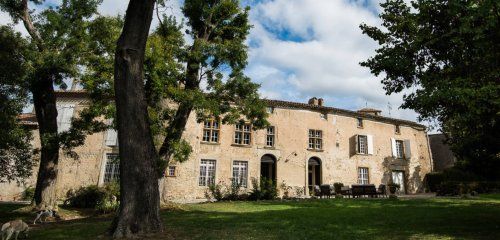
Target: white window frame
[(315, 139), (400, 149), (362, 144), (111, 168), (208, 169), (171, 171), (363, 175), (240, 173), (211, 131), (270, 136), (243, 134)]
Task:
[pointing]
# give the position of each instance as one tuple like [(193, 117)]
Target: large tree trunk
[(139, 198), (44, 100), (46, 113)]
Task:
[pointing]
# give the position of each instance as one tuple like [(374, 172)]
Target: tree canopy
[(445, 55)]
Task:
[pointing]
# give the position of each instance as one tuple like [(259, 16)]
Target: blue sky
[(306, 48)]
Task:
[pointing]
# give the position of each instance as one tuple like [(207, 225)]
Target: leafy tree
[(56, 39), (159, 82), (446, 53), (15, 149), (139, 198)]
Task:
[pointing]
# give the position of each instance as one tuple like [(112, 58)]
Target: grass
[(436, 218)]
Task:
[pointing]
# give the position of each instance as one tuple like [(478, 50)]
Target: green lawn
[(438, 218)]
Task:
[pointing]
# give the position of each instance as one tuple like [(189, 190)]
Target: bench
[(362, 190)]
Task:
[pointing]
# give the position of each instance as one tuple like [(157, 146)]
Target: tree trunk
[(139, 199), (44, 101), (46, 113)]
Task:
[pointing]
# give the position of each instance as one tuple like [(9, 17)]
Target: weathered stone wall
[(291, 143), (291, 151)]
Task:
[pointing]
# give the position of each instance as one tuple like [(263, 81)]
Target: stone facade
[(339, 157)]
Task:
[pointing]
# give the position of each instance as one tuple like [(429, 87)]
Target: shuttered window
[(64, 115)]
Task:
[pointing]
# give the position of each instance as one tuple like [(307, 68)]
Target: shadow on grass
[(311, 219), (339, 219)]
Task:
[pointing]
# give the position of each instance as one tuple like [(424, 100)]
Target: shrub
[(92, 196), (338, 187), (286, 190), (449, 188), (222, 192), (266, 190), (28, 194), (216, 191), (432, 181)]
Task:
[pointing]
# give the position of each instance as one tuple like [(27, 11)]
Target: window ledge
[(315, 150), (241, 145), (210, 143)]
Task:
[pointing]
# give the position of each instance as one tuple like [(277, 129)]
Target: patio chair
[(382, 190), (317, 191), (345, 191), (326, 190)]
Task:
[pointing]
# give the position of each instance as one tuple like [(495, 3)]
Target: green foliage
[(29, 194), (265, 190), (16, 162), (100, 198), (222, 192), (446, 53), (432, 181)]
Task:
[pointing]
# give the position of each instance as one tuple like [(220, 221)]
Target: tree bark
[(139, 199), (44, 101), (46, 113)]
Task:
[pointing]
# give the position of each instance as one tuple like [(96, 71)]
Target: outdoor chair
[(363, 189), (345, 191), (326, 191), (317, 191), (382, 190)]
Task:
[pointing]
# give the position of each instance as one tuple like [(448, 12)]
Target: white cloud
[(305, 48), (316, 46)]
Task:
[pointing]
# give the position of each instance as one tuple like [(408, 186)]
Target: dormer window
[(270, 110), (397, 129), (360, 122), (323, 116)]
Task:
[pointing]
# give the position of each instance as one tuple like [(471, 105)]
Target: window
[(270, 136), (171, 171), (270, 110), (64, 115), (363, 175), (363, 144), (399, 148), (360, 122), (323, 116), (211, 130), (207, 173), (397, 129), (315, 139), (242, 134), (240, 173), (112, 170)]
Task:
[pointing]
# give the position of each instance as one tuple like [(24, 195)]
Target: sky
[(300, 49)]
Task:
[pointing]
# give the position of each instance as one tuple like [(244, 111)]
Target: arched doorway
[(314, 172), (268, 167)]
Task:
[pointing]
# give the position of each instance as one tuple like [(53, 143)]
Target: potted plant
[(393, 187)]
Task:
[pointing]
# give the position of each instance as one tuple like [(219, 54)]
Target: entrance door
[(314, 173), (268, 167), (398, 177)]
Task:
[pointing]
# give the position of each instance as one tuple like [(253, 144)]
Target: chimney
[(313, 101), (320, 101)]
